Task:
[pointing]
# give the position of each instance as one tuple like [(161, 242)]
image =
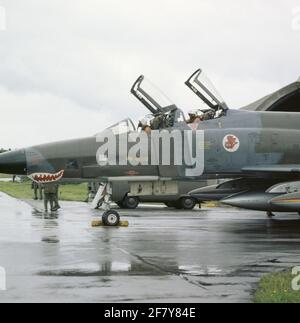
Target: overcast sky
[(66, 66)]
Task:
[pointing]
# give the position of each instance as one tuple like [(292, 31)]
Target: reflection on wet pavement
[(213, 255)]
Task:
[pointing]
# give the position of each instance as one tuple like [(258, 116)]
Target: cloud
[(87, 54), (35, 118)]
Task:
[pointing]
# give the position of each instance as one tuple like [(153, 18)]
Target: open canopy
[(201, 85), (151, 97), (164, 113)]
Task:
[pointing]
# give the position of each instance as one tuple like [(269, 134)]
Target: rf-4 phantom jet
[(258, 150)]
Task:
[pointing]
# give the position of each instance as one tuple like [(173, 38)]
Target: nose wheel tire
[(111, 218)]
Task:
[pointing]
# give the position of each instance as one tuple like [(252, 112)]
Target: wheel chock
[(210, 204), (99, 223)]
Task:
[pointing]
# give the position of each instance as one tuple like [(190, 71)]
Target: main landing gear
[(103, 201)]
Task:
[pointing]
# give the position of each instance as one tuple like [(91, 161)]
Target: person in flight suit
[(145, 125), (56, 198), (195, 116), (37, 188), (199, 115), (50, 192)]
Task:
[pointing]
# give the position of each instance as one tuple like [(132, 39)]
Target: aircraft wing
[(272, 169)]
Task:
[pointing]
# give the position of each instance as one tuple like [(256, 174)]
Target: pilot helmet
[(145, 122), (197, 113)]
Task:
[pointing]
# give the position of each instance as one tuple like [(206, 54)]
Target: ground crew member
[(56, 200), (89, 192), (49, 196), (37, 188)]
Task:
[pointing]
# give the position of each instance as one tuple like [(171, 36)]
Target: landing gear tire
[(130, 202), (111, 218), (187, 203)]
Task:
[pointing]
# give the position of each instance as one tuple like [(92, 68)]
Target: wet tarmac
[(213, 255)]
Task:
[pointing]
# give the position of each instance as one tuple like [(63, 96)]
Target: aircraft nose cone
[(248, 200), (13, 163)]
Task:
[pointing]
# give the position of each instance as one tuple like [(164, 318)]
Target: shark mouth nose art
[(43, 178)]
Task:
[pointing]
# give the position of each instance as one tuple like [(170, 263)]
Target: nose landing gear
[(103, 201)]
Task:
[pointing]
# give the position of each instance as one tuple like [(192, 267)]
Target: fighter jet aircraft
[(258, 150)]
